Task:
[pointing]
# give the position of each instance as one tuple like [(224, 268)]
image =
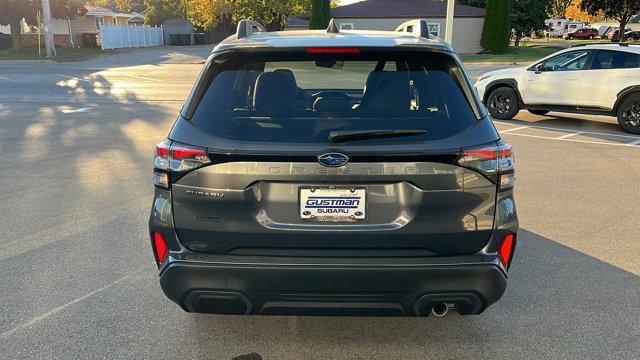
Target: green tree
[(496, 30), (159, 11), (558, 8), (320, 14), (123, 5), (223, 15), (529, 15), (13, 11), (619, 10)]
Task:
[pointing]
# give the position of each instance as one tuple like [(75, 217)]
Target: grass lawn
[(65, 54), (521, 54)]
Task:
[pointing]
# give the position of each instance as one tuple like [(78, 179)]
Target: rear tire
[(590, 37), (538, 112), (502, 103), (629, 114)]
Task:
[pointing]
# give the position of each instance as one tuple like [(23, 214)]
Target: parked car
[(613, 34), (632, 35), (608, 73), (310, 173), (583, 34), (628, 35)]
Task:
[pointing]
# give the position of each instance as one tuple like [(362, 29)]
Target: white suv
[(600, 79)]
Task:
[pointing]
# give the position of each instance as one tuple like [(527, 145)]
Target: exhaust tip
[(440, 309)]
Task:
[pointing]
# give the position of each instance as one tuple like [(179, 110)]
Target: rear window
[(608, 59), (300, 97)]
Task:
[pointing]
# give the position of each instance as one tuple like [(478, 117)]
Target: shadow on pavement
[(560, 304), (77, 188)]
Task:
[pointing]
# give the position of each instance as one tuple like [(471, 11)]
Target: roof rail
[(247, 27), (605, 43), (332, 28), (418, 27)]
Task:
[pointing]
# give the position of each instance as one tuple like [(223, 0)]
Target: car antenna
[(247, 27), (332, 28), (417, 27)]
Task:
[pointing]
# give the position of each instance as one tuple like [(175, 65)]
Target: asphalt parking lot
[(79, 281)]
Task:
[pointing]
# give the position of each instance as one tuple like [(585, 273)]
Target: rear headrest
[(274, 92), (618, 61), (288, 72), (389, 93), (332, 104)]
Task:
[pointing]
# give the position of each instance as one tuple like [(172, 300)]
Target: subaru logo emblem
[(333, 159)]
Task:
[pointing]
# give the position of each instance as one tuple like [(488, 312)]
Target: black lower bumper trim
[(277, 289)]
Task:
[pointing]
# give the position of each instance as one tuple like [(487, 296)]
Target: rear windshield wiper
[(341, 136)]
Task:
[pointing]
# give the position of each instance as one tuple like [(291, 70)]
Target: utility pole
[(448, 28), (48, 35)]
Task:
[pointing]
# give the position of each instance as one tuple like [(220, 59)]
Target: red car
[(585, 33), (629, 35), (614, 35)]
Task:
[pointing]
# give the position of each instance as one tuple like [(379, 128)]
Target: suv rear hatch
[(333, 152)]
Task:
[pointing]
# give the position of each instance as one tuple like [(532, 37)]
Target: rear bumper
[(375, 287)]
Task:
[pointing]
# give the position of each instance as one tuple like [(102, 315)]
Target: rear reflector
[(505, 251), (160, 247), (333, 50)]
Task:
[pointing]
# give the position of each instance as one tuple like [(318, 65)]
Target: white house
[(388, 14), (68, 32)]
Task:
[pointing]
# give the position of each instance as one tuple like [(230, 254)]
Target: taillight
[(160, 248), (492, 160), (505, 250), (176, 157)]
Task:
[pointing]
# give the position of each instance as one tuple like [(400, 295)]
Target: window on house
[(99, 22), (346, 26)]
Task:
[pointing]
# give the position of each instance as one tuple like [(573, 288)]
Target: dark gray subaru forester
[(333, 173)]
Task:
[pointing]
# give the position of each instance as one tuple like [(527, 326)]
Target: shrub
[(496, 31)]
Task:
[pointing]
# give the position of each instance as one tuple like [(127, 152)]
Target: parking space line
[(637, 143), (569, 135), (8, 79), (55, 311), (513, 129), (141, 77), (564, 130)]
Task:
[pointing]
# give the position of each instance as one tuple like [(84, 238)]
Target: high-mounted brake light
[(505, 250), (333, 50), (173, 156), (492, 160), (160, 247)]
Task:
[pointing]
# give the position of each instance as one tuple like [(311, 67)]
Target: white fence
[(125, 36)]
